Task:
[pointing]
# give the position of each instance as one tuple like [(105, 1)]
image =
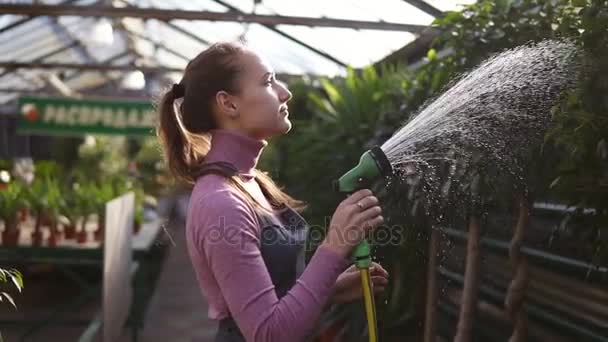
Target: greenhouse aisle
[(177, 311)]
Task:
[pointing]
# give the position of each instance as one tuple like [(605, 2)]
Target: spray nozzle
[(372, 165)]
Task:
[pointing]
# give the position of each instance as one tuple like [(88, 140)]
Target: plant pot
[(10, 237), (37, 233), (99, 233), (55, 235), (81, 236), (69, 232), (37, 238), (53, 239)]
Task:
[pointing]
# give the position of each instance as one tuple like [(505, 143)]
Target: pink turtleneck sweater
[(224, 246)]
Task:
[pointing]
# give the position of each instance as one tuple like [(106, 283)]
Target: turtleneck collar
[(237, 149)]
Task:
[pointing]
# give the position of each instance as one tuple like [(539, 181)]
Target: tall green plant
[(344, 116), (572, 166), (347, 119), (12, 199)]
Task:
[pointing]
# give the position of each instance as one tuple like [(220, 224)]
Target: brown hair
[(184, 133)]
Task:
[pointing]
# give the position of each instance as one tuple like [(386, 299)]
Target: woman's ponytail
[(172, 137)]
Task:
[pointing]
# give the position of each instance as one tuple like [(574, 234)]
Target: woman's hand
[(353, 218), (348, 284)]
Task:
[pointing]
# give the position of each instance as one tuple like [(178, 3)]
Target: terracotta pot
[(81, 236), (37, 233), (37, 238), (10, 237), (99, 233), (53, 239), (69, 232), (55, 235)]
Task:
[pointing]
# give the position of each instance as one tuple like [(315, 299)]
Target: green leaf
[(9, 298), (17, 280), (503, 6), (332, 92), (452, 16), (554, 183)]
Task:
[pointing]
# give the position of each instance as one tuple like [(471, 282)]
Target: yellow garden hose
[(370, 306)]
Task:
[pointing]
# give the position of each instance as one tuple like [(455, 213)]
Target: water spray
[(501, 108)]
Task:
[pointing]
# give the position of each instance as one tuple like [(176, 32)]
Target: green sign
[(76, 117)]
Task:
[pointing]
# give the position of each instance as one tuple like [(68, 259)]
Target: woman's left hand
[(348, 284)]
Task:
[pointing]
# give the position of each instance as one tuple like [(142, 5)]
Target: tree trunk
[(82, 234), (464, 330), (431, 294), (101, 223), (54, 236), (516, 292), (37, 233), (10, 235)]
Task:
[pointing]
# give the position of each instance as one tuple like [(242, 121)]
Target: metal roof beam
[(168, 15), (25, 20), (178, 29), (187, 33), (85, 67), (158, 45), (46, 55), (425, 7), (18, 90), (67, 36), (106, 61), (290, 37), (68, 78)]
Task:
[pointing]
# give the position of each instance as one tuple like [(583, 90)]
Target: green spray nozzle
[(373, 164)]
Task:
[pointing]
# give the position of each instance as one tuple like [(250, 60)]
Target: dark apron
[(282, 248), (282, 245)]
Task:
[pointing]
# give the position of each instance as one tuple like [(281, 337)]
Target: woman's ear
[(226, 104)]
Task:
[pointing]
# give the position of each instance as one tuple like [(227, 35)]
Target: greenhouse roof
[(131, 47)]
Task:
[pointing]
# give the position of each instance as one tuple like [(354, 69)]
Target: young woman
[(245, 237)]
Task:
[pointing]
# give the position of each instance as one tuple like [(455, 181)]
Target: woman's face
[(261, 105)]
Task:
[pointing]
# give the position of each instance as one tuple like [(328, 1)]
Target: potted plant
[(84, 207), (37, 197), (101, 195), (75, 207), (68, 211), (12, 199), (53, 209)]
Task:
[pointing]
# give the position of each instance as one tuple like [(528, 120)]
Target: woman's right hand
[(353, 218)]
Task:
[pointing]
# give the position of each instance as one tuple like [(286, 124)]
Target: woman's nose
[(284, 93)]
